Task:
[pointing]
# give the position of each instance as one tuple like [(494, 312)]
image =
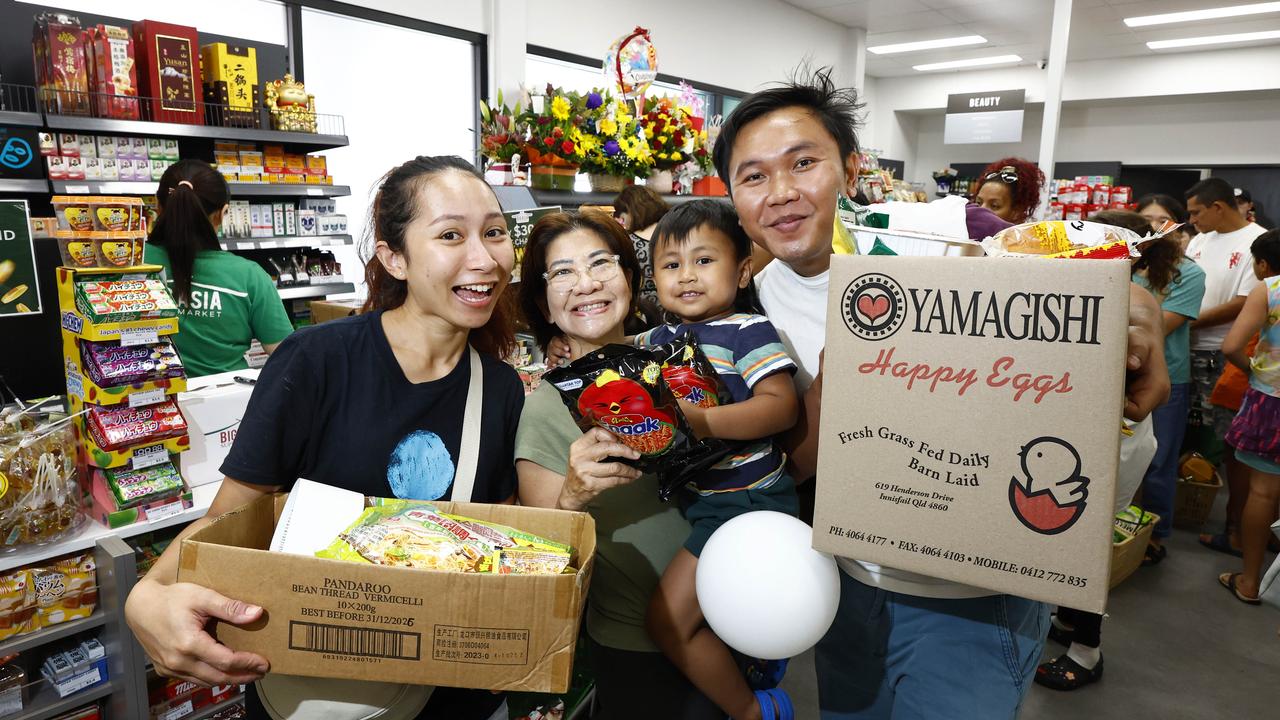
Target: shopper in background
[(1222, 251), (639, 209), (1178, 285), (1011, 189), (1160, 209), (1252, 211), (1255, 431), (637, 536), (1159, 269), (225, 301), (372, 403), (902, 644)]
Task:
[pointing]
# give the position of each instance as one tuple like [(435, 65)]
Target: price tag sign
[(316, 192), (80, 682), (520, 223), (149, 456), (268, 244), (165, 511), (146, 397), (77, 188), (139, 336), (180, 711)]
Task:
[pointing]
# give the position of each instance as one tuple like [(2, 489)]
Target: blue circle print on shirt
[(420, 467)]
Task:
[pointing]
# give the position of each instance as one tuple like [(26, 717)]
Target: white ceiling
[(1022, 27)]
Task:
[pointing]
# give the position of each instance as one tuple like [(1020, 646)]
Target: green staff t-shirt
[(232, 302)]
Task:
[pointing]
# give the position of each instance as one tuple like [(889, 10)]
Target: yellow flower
[(677, 156), (608, 127), (664, 117), (560, 108), (662, 139), (648, 132), (662, 156)]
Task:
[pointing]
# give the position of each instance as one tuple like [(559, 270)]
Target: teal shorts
[(706, 513), (1257, 462)]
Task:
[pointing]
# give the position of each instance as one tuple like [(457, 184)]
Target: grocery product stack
[(122, 372), (177, 698), (1080, 198), (306, 217), (107, 158), (269, 163)]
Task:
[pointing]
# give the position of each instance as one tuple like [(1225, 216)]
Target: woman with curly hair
[(1010, 188)]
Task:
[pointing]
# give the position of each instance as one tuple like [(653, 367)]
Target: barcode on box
[(357, 641)]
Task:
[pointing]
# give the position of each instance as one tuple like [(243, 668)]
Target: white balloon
[(763, 588)]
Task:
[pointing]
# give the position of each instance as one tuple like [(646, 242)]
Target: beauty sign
[(971, 420)]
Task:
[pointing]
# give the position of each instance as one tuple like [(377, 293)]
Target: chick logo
[(873, 306), (1052, 496)]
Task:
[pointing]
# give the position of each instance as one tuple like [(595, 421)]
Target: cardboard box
[(213, 406), (169, 71), (62, 74), (501, 632), (237, 67), (970, 420), (112, 72), (326, 310)]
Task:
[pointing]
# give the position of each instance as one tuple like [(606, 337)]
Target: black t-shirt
[(332, 405)]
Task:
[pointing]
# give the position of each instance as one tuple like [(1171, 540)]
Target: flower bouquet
[(613, 150), (553, 144)]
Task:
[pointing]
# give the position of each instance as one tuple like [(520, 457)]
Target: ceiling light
[(972, 62), (1214, 40), (1208, 14), (928, 44)]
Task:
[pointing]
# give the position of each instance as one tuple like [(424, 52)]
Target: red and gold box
[(169, 71), (61, 73), (113, 72)]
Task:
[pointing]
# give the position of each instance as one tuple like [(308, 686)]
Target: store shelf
[(93, 532), (567, 198), (51, 633), (285, 242), (24, 186), (282, 190), (309, 141), (45, 703), (315, 291), (208, 712), (11, 117), (103, 187)]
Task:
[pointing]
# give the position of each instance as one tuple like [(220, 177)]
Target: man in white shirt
[(903, 645)]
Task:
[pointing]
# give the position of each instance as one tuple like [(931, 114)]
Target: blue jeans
[(901, 657), (1169, 423)]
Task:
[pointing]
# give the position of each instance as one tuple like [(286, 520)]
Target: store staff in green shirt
[(224, 300)]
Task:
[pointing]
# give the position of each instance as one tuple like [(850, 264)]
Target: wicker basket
[(1198, 484), (1127, 555)]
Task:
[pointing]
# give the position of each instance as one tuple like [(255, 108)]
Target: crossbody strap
[(464, 478)]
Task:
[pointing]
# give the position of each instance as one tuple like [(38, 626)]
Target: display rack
[(313, 291), (309, 141), (285, 242), (282, 190), (116, 187), (19, 185), (569, 198)]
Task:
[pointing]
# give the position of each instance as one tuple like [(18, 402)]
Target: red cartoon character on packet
[(689, 373), (625, 408)]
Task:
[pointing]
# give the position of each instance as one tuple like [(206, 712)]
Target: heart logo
[(873, 308)]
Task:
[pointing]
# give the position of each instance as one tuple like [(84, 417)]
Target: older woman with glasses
[(580, 280), (1010, 188)]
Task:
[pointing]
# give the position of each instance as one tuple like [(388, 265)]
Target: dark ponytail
[(394, 208), (1160, 258), (190, 190)]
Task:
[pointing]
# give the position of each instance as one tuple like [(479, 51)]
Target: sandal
[(1228, 581), (1154, 554), (775, 704), (1063, 673), (765, 674), (1220, 542)]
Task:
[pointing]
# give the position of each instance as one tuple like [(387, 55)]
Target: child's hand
[(558, 352), (697, 418)]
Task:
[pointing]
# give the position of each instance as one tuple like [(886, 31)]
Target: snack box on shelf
[(179, 698), (104, 509), (75, 322), (80, 382), (96, 674), (135, 456)]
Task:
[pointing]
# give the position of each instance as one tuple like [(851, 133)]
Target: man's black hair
[(681, 222), (1266, 247), (1212, 190), (836, 108)]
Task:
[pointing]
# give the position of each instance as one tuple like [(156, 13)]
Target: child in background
[(702, 269), (1255, 431)]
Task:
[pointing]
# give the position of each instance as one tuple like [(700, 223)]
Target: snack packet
[(689, 373), (139, 487), (118, 427), (1076, 239), (412, 536), (620, 389), (111, 364)]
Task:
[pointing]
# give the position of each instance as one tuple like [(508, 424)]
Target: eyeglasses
[(1008, 174), (601, 269)]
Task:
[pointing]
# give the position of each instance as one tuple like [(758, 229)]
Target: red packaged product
[(1121, 194), (1101, 194), (115, 428), (1073, 211), (61, 74), (1056, 211), (113, 73), (169, 71)]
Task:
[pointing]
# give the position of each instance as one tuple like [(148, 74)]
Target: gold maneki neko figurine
[(292, 109)]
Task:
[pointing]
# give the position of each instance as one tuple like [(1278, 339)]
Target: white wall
[(1192, 131)]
